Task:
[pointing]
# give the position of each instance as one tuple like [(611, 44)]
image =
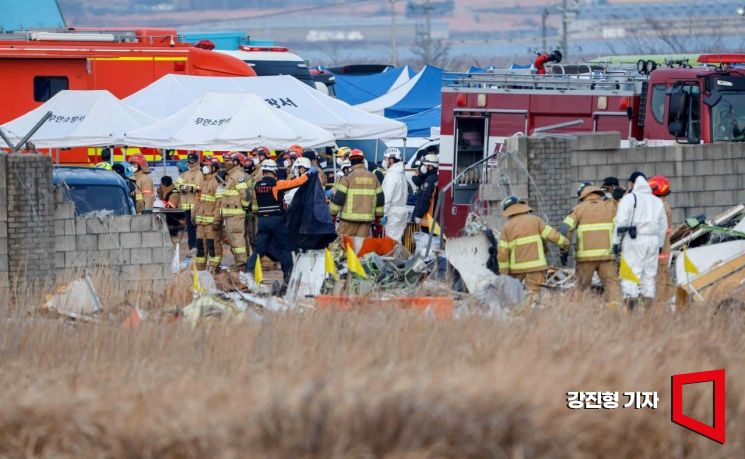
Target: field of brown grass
[(363, 384)]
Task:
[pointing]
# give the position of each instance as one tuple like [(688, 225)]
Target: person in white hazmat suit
[(396, 190), (639, 235)]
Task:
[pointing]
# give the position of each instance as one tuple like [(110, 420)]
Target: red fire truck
[(34, 66), (660, 106)]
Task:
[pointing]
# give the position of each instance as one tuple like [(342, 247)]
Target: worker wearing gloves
[(358, 199), (205, 211), (268, 205), (426, 196), (593, 221), (186, 184), (522, 254), (234, 200), (396, 191), (144, 189), (664, 287), (639, 236)]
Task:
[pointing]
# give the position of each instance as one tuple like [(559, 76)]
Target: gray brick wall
[(4, 280)]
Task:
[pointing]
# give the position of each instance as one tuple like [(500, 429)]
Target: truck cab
[(93, 189), (273, 60)]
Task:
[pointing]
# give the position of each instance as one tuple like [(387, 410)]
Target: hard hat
[(610, 181), (582, 186), (138, 159), (182, 166), (269, 165), (431, 160), (211, 161), (343, 151), (346, 164), (233, 156), (394, 153), (356, 154), (660, 185), (192, 158), (590, 189), (263, 151), (303, 162), (509, 200), (296, 150)]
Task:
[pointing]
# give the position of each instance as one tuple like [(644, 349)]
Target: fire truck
[(650, 104), (34, 66)]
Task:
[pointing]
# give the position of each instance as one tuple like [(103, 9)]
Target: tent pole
[(377, 143)]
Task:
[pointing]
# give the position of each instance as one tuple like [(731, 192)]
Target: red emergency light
[(205, 44), (276, 49), (726, 58)]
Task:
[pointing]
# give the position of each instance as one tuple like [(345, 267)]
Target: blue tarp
[(423, 96), (357, 89), (30, 14), (419, 125)]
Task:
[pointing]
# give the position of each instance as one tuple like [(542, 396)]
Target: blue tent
[(423, 96), (357, 89), (419, 124)]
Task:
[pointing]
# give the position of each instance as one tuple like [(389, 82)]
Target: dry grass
[(374, 384)]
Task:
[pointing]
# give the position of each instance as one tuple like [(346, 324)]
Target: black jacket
[(427, 188), (308, 218)]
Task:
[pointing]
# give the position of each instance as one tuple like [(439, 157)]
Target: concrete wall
[(41, 239)]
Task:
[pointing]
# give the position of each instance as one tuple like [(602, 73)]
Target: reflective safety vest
[(206, 208), (593, 221), (103, 165), (234, 200), (190, 178), (144, 191), (521, 242), (358, 196)]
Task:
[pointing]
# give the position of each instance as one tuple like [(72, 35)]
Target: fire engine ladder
[(624, 80)]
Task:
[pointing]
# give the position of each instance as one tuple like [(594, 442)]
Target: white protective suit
[(396, 193), (641, 253)]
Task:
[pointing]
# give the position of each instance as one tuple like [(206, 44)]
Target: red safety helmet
[(356, 153), (660, 185), (211, 161), (138, 159), (233, 156), (297, 150)]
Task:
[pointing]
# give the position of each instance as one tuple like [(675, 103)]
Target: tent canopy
[(79, 119), (228, 121), (357, 89), (425, 94), (421, 124), (171, 93), (377, 106)]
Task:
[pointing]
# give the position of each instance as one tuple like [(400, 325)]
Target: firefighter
[(293, 153), (612, 189), (641, 225), (396, 191), (664, 287), (233, 202), (593, 220), (312, 155), (105, 160), (144, 190), (249, 168), (521, 245), (426, 180), (188, 188), (358, 199), (268, 206), (205, 211)]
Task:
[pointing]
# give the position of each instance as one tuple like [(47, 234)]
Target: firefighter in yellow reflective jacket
[(233, 204), (522, 254), (144, 190), (188, 188), (593, 220), (358, 199), (205, 211)]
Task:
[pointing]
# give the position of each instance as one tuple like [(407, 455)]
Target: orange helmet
[(660, 185), (261, 151), (356, 153), (233, 156), (138, 159), (211, 161), (296, 149)]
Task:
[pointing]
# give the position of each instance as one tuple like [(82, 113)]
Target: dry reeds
[(364, 384)]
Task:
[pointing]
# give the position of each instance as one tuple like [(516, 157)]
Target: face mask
[(205, 170), (385, 164), (423, 169)]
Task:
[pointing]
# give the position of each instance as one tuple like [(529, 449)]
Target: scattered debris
[(440, 307), (77, 300)]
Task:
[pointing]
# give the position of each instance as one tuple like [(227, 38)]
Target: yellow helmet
[(343, 151)]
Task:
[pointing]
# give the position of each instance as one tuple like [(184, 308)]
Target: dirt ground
[(363, 384)]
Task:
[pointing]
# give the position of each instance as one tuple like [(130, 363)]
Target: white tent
[(173, 92), (392, 97), (229, 121), (79, 119)]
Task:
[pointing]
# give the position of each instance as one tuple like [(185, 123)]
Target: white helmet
[(269, 165), (431, 160), (394, 153), (346, 164), (302, 162)]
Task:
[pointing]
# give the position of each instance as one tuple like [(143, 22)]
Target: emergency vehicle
[(648, 103), (34, 66)]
